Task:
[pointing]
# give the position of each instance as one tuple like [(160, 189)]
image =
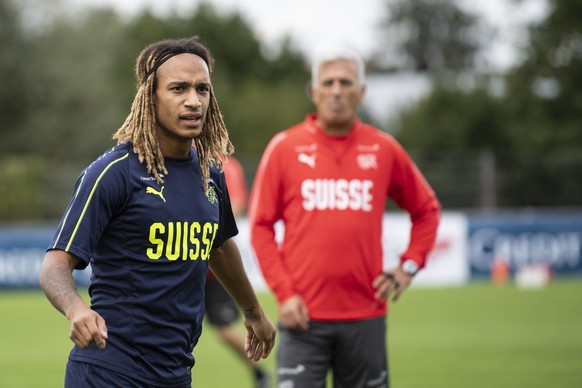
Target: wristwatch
[(410, 267)]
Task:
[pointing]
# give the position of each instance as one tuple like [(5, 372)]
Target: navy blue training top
[(148, 246)]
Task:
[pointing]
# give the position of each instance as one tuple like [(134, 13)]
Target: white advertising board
[(447, 264)]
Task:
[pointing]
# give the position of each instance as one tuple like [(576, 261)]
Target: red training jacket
[(330, 193)]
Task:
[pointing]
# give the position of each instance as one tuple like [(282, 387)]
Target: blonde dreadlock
[(213, 143)]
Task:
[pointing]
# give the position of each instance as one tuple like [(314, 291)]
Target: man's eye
[(178, 88), (203, 89)]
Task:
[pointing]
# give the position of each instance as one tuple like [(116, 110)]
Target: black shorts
[(355, 352), (83, 375), (221, 310)]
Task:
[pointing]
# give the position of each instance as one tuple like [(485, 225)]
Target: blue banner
[(22, 249), (521, 239), (553, 240)]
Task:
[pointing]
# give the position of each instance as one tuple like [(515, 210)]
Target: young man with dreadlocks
[(151, 216)]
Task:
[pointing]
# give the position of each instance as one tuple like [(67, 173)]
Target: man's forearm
[(226, 264), (57, 282)]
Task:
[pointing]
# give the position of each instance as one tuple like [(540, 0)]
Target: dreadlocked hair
[(212, 145)]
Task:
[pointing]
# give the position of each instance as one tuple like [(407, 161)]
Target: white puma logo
[(291, 371), (368, 148), (307, 159)]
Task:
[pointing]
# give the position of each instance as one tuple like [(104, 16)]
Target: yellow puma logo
[(151, 190)]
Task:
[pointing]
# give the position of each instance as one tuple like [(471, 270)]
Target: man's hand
[(56, 280), (393, 281), (261, 334), (87, 327), (293, 314)]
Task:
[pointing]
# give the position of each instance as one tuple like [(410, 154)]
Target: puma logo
[(291, 371), (151, 190), (368, 148), (307, 159)]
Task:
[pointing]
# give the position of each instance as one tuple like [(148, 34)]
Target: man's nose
[(336, 87), (192, 99)]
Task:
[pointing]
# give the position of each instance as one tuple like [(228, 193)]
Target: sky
[(312, 23)]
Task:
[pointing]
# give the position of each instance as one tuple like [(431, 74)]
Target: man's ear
[(363, 93)]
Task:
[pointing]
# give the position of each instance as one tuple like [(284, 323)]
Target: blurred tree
[(544, 101), (448, 133), (458, 118), (75, 105), (429, 36), (455, 120), (25, 196), (531, 123), (29, 175), (443, 41), (71, 83), (12, 77), (544, 95)]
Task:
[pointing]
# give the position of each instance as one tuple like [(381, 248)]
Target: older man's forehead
[(338, 69)]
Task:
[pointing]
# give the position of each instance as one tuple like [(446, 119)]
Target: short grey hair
[(332, 54)]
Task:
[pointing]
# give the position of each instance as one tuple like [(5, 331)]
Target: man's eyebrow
[(178, 83), (188, 83)]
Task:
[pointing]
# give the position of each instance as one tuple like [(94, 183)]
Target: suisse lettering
[(337, 194), (181, 240)]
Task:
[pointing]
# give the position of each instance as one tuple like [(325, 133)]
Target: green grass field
[(475, 336)]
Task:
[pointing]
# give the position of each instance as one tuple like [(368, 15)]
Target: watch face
[(410, 267)]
